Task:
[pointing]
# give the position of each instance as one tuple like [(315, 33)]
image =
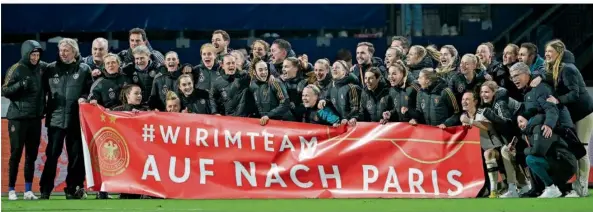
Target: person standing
[(22, 86)]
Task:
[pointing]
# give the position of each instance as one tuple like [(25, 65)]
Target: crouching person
[(314, 115)]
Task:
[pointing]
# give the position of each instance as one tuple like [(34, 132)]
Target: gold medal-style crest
[(110, 152)]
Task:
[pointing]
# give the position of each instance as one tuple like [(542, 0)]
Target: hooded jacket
[(415, 69), (143, 78), (23, 85), (538, 67), (197, 102), (373, 103), (501, 74), (436, 105), (402, 96), (271, 99), (230, 95), (571, 90), (66, 83), (344, 96), (535, 104), (325, 116), (127, 57), (163, 82), (107, 88), (502, 113), (459, 84)]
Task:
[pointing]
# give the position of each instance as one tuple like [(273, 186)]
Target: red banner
[(188, 156)]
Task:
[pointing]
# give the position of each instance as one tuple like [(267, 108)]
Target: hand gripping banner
[(189, 156)]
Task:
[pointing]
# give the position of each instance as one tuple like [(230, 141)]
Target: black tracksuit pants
[(24, 134), (76, 171)]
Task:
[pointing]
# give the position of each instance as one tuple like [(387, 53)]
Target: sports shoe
[(511, 193), (12, 195), (551, 192), (572, 194), (80, 193), (493, 194), (524, 189), (29, 195)]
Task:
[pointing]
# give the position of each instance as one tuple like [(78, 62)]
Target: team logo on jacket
[(369, 104), (395, 101), (223, 94), (75, 76), (165, 89), (315, 117), (12, 129), (436, 100), (201, 79), (461, 88), (423, 104), (202, 101), (110, 151), (56, 79), (152, 73), (334, 100)]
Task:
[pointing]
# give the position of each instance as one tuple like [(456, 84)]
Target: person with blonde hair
[(343, 94), (208, 70), (436, 105), (570, 91), (105, 90), (418, 59), (271, 97), (468, 77), (448, 63), (173, 103), (402, 94)]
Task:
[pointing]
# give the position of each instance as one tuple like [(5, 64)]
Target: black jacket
[(426, 62), (359, 70), (459, 84), (502, 112), (203, 77), (143, 78), (23, 85), (373, 103), (344, 96), (128, 107), (272, 99), (502, 76), (436, 105), (127, 57), (571, 90), (294, 89), (65, 84), (404, 96), (107, 88), (163, 82), (197, 102), (230, 95), (535, 103)]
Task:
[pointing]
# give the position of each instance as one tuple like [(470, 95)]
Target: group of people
[(534, 114)]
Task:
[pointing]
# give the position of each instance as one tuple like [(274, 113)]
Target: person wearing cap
[(22, 86)]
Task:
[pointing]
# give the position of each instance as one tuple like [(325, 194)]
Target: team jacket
[(404, 96), (436, 105), (271, 99), (197, 102), (106, 90), (23, 85), (230, 95), (571, 90), (344, 96), (163, 82), (65, 84), (143, 78), (373, 103), (203, 77), (326, 116)]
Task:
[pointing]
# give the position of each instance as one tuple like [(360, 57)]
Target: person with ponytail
[(448, 63), (207, 71), (501, 74), (343, 94), (193, 100), (571, 92), (485, 53), (436, 104), (230, 94), (434, 54), (293, 76), (402, 94), (260, 49), (374, 97), (418, 59), (392, 55), (165, 81), (321, 74), (271, 97), (131, 99)]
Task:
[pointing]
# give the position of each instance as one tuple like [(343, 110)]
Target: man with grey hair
[(548, 155), (99, 49), (143, 71), (67, 82), (138, 38)]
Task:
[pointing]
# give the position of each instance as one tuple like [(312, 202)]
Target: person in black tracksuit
[(436, 104), (293, 77), (208, 70), (314, 115), (105, 90), (164, 81), (359, 69), (142, 72), (67, 82), (322, 75), (271, 97), (402, 94), (230, 94), (448, 66), (192, 100), (373, 100), (501, 72), (138, 38), (343, 94), (23, 87), (469, 77), (418, 59)]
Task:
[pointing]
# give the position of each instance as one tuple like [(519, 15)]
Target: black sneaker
[(530, 193), (79, 193), (103, 195), (68, 193), (44, 196)]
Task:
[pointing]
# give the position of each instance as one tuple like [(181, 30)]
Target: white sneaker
[(29, 196), (572, 194), (12, 195), (551, 192), (511, 193), (524, 189)]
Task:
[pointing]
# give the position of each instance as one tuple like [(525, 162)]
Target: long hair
[(125, 90), (311, 78), (433, 52), (400, 66), (555, 67), (454, 57)]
